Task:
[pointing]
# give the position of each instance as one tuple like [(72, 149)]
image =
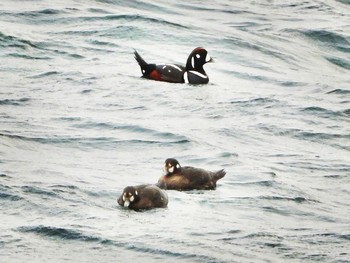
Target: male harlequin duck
[(143, 197), (192, 73), (188, 178)]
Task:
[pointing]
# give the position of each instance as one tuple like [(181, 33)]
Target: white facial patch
[(171, 169), (124, 197), (178, 166), (126, 203), (136, 193), (207, 58), (192, 62), (132, 198), (198, 56), (143, 71)]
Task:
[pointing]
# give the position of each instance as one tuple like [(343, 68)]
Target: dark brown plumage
[(143, 197), (187, 177)]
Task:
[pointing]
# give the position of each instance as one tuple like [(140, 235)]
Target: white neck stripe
[(175, 66), (199, 74), (186, 77)]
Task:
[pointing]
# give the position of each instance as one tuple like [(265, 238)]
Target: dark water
[(78, 124)]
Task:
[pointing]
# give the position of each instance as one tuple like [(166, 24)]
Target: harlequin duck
[(188, 178), (192, 73), (143, 197)]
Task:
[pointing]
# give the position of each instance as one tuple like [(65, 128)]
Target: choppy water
[(78, 124)]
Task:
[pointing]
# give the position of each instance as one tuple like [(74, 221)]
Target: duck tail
[(219, 174), (143, 64)]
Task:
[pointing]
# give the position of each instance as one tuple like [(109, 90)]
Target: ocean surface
[(78, 124)]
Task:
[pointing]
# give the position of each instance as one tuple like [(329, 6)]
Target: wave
[(11, 197), (94, 142), (298, 199), (18, 55), (40, 13), (45, 74), (14, 102), (347, 2), (324, 112), (328, 38), (135, 18), (170, 253), (168, 136), (339, 91), (40, 50), (37, 190), (261, 101), (339, 62), (58, 232), (6, 192), (41, 17), (12, 41), (76, 235)]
